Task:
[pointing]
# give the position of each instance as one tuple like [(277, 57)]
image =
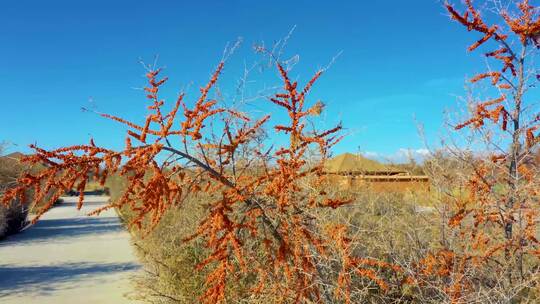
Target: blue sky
[(402, 63)]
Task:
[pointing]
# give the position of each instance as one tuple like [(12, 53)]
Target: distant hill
[(11, 162), (14, 155)]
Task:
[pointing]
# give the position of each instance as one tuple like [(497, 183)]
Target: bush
[(16, 213), (12, 218), (386, 224), (168, 261)]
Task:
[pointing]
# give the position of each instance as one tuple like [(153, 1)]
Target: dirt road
[(68, 257)]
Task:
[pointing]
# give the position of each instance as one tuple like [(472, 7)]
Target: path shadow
[(63, 229), (73, 204), (94, 192), (46, 279)]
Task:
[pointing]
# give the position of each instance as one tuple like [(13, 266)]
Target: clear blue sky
[(400, 60)]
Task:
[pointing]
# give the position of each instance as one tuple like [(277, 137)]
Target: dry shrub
[(169, 261), (13, 218), (383, 227), (490, 249), (13, 215), (389, 227), (458, 269)]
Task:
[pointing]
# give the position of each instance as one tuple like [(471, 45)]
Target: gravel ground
[(68, 257)]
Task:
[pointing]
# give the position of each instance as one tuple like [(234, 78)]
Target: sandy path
[(68, 257)]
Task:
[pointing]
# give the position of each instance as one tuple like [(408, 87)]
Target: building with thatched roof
[(354, 164), (352, 170)]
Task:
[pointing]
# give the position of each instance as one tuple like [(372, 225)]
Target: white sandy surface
[(68, 257)]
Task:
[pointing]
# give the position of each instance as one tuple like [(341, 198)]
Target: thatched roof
[(349, 162)]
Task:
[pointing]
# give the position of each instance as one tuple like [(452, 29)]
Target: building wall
[(382, 183)]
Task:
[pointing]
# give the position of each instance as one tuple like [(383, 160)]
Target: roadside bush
[(12, 218)]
